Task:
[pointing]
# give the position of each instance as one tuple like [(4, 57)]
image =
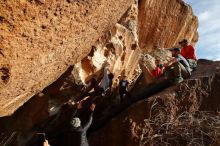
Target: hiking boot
[(177, 80)]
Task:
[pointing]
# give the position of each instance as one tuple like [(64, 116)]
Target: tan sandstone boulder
[(164, 23), (40, 39)]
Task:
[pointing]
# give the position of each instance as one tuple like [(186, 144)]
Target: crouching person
[(178, 68), (188, 52), (158, 71)]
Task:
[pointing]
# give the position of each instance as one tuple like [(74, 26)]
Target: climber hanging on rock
[(92, 84), (98, 89), (106, 82), (188, 52), (178, 68)]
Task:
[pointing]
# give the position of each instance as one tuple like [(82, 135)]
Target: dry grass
[(188, 129)]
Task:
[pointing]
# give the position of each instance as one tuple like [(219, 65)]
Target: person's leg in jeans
[(184, 73), (192, 64), (177, 73), (177, 70)]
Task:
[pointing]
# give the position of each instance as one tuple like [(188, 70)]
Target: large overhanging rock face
[(120, 50), (119, 47), (164, 23), (40, 39)]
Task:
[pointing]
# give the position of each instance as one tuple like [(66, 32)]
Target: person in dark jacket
[(78, 129), (123, 88), (110, 76), (57, 128), (68, 129)]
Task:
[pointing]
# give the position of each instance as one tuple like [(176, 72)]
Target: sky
[(208, 12)]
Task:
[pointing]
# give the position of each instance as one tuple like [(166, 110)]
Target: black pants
[(123, 93)]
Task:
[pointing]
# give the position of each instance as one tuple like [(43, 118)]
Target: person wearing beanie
[(178, 68), (78, 130), (188, 52), (68, 128)]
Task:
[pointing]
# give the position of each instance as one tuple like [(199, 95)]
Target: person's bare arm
[(46, 143), (89, 122)]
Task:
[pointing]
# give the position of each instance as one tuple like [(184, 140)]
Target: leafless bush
[(188, 129)]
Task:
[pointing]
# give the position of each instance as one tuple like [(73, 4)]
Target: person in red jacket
[(158, 71), (188, 52)]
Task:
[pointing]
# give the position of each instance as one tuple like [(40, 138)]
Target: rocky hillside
[(40, 39), (187, 114)]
